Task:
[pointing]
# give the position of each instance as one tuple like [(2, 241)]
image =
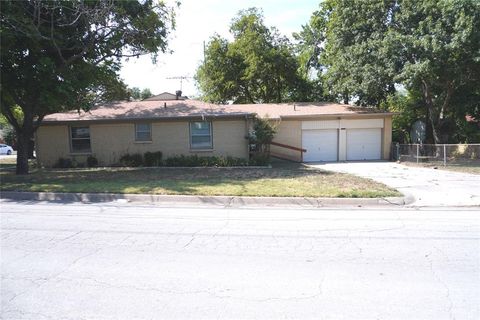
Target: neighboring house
[(166, 96), (327, 131)]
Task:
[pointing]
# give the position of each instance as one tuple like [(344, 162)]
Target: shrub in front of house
[(152, 159), (92, 162), (259, 159), (67, 163), (131, 160), (183, 161), (196, 161), (63, 163)]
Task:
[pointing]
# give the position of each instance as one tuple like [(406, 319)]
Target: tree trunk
[(428, 127), (31, 147), (23, 140), (434, 123), (431, 114), (346, 97)]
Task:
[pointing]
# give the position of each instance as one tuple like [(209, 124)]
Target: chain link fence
[(438, 154)]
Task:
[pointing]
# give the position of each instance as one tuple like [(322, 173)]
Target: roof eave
[(342, 115), (139, 119)]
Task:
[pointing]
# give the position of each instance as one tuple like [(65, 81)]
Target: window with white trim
[(80, 139), (143, 132), (201, 135)]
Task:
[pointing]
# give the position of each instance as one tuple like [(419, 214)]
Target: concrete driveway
[(11, 156), (429, 187)]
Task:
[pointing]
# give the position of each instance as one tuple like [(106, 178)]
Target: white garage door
[(364, 144), (321, 145)]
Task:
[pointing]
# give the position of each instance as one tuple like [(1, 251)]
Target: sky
[(196, 22)]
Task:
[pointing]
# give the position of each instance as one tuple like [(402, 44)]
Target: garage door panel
[(364, 144), (321, 145)]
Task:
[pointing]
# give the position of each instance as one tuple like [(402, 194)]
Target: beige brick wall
[(110, 141), (52, 142), (387, 137), (289, 132)]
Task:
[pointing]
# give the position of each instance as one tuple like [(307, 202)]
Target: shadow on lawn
[(96, 184)]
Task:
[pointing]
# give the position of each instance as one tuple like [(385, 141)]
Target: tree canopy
[(427, 46), (257, 66), (63, 55), (136, 94)]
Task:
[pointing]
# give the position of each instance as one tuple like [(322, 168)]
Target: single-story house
[(305, 131)]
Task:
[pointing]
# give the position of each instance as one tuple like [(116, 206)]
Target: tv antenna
[(181, 78)]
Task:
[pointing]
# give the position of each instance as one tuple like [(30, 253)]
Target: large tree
[(257, 66), (62, 55), (428, 46), (437, 45)]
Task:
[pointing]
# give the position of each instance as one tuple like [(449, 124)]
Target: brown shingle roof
[(148, 110), (304, 109), (194, 108)]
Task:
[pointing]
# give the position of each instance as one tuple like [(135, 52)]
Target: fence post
[(444, 155), (418, 151), (398, 151)]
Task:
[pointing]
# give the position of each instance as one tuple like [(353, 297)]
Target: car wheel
[(9, 152)]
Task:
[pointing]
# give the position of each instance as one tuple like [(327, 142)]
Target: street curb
[(224, 201)]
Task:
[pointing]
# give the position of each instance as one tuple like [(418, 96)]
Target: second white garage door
[(364, 144), (321, 145)]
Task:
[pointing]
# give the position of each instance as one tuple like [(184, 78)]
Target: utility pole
[(204, 52)]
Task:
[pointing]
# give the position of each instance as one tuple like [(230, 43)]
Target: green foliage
[(310, 41), (65, 55), (468, 132), (429, 46), (258, 66), (196, 161), (409, 108), (10, 136), (3, 122), (259, 141), (259, 159), (131, 160), (146, 93), (135, 93), (64, 163), (357, 66), (263, 132), (92, 161), (153, 159)]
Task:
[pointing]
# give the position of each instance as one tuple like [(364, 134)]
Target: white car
[(5, 149)]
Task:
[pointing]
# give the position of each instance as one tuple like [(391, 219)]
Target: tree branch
[(450, 90), (7, 112)]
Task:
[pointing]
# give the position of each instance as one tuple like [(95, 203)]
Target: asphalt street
[(124, 261)]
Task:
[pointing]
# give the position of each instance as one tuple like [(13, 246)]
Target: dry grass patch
[(282, 180)]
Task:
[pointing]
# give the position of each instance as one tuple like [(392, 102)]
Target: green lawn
[(284, 179)]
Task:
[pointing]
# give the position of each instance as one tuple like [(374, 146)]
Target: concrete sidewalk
[(223, 201), (427, 186)]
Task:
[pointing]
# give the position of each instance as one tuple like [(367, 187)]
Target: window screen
[(80, 139), (201, 135), (143, 132)]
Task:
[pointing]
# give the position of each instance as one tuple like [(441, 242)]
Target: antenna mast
[(181, 78)]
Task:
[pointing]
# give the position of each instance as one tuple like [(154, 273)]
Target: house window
[(201, 135), (80, 139), (143, 132)]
